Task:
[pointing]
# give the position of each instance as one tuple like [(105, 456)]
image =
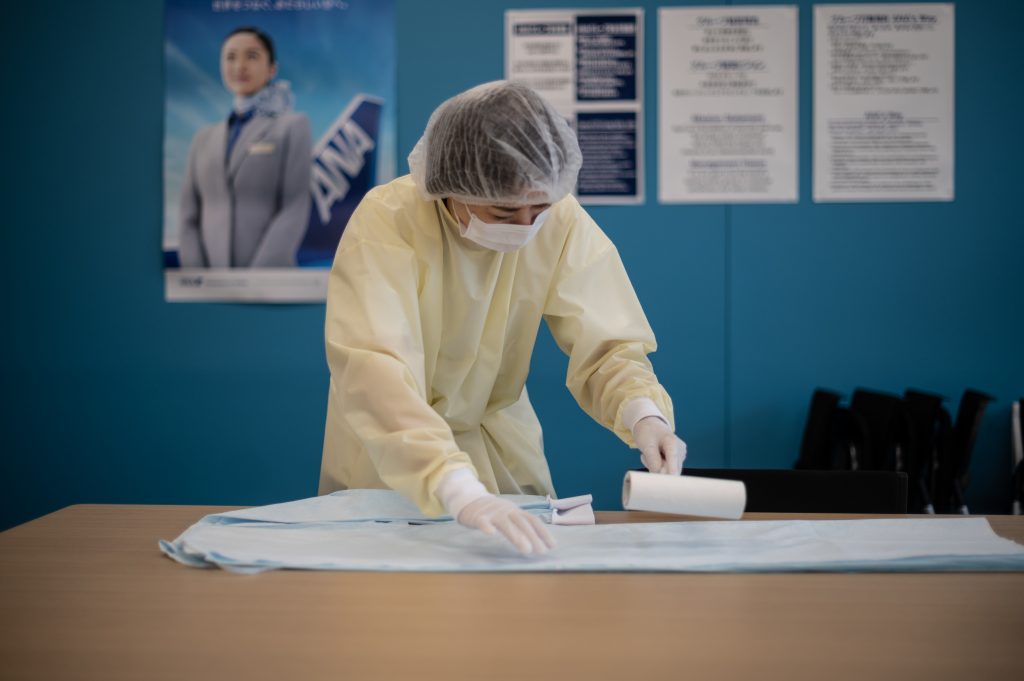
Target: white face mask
[(500, 237)]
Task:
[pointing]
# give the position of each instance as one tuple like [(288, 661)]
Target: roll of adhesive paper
[(684, 495)]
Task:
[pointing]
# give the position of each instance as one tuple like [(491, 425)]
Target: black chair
[(818, 440), (952, 475), (1017, 482), (1017, 443), (887, 429), (931, 426), (806, 491), (835, 437)]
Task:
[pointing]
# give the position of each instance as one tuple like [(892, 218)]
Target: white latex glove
[(661, 451), (523, 530)]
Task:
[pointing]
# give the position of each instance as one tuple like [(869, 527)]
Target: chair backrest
[(807, 491), (817, 442), (834, 436), (889, 434), (954, 460), (931, 425), (1017, 453), (965, 428), (1017, 431)]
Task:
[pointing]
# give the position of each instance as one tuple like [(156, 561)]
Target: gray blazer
[(251, 210)]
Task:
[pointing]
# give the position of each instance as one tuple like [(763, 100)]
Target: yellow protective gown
[(429, 338)]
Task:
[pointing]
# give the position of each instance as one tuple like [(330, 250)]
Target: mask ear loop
[(450, 206), (455, 216)]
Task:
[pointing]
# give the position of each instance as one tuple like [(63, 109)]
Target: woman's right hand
[(523, 530)]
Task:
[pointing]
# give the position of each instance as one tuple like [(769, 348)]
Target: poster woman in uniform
[(245, 196)]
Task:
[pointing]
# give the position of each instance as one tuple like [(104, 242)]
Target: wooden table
[(85, 594)]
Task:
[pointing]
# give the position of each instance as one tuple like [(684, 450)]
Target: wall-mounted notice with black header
[(727, 96), (883, 102), (589, 64)]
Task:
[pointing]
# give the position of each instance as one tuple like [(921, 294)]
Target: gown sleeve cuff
[(639, 408), (458, 489)]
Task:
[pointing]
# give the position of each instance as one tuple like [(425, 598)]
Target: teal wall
[(113, 395)]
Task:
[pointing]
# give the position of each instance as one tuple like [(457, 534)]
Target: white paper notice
[(727, 98), (589, 64), (883, 102)]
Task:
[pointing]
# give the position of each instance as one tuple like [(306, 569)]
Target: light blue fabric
[(378, 530), (354, 505)]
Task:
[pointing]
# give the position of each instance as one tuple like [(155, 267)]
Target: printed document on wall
[(727, 95), (883, 102), (589, 64)]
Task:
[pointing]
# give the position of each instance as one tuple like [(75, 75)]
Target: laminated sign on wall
[(727, 97), (589, 64), (883, 102)]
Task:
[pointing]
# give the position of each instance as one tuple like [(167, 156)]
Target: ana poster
[(279, 116)]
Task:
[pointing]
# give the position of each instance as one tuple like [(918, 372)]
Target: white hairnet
[(497, 143)]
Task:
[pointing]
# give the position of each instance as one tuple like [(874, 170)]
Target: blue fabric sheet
[(378, 530)]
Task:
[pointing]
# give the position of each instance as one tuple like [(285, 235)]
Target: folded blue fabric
[(354, 505), (378, 530)]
